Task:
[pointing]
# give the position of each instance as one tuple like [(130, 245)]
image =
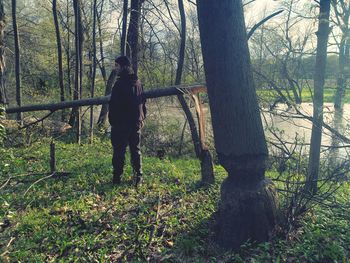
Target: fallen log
[(149, 94)]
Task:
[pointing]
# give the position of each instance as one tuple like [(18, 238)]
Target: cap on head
[(123, 61)]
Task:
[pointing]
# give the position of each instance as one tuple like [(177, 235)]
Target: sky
[(256, 10)]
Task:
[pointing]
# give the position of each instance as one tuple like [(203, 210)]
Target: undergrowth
[(78, 216)]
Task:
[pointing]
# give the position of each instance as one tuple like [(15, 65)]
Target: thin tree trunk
[(342, 73), (68, 55), (124, 26), (319, 76), (248, 201), (102, 119), (344, 62), (59, 53), (207, 169), (76, 114), (93, 71), (17, 62), (102, 63), (3, 99), (343, 20)]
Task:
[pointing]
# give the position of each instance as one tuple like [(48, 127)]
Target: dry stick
[(8, 180), (52, 157), (19, 175), (41, 179), (10, 242), (7, 246), (39, 120), (155, 223)]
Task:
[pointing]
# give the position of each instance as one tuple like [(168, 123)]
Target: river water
[(288, 125)]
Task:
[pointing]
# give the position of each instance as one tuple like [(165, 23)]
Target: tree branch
[(255, 27), (153, 93)]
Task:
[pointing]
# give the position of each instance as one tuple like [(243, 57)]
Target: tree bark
[(319, 76), (59, 53), (132, 49), (124, 26), (17, 62), (248, 201), (3, 99)]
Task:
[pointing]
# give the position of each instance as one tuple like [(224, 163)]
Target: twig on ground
[(41, 179)]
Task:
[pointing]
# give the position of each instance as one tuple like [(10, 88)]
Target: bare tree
[(102, 119), (319, 76), (76, 112), (2, 55), (248, 201), (59, 53), (94, 62), (17, 61)]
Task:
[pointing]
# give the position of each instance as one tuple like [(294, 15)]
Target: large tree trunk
[(124, 26), (132, 49), (248, 200), (17, 62), (204, 155), (319, 76), (3, 99), (59, 53)]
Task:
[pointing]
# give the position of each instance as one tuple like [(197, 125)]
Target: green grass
[(306, 95), (81, 217)]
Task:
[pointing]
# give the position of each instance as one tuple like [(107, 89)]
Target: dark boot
[(116, 179)]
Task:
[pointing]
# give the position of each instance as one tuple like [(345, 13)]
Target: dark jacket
[(127, 104)]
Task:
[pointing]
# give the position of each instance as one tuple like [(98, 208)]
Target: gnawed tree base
[(207, 170), (246, 213), (248, 208)]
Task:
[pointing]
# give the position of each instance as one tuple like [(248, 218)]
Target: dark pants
[(121, 137)]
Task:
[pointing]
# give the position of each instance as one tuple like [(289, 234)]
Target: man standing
[(127, 112)]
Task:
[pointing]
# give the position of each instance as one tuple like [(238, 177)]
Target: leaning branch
[(150, 94), (255, 27)]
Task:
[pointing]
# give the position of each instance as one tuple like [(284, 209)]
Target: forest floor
[(81, 217)]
